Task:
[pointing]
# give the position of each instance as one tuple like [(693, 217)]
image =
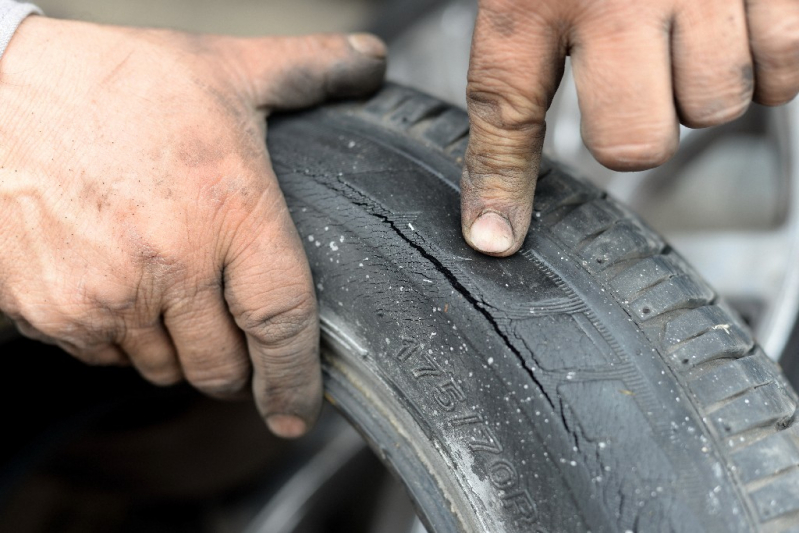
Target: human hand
[(640, 68), (140, 219)]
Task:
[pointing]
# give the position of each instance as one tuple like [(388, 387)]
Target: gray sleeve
[(12, 13)]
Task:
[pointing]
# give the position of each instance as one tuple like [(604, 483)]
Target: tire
[(592, 382)]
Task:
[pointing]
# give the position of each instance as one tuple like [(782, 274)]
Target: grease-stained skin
[(641, 69), (140, 220)]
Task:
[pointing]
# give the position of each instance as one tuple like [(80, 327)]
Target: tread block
[(779, 497), (698, 321), (775, 453), (558, 190), (758, 407), (678, 292), (565, 342), (387, 100), (413, 110), (716, 343), (732, 378), (586, 220), (624, 240), (447, 128), (645, 273)]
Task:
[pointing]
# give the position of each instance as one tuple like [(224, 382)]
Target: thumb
[(515, 68), (295, 72)]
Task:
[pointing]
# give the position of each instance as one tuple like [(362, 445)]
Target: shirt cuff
[(11, 16)]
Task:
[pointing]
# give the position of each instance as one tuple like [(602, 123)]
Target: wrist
[(12, 14), (31, 29), (19, 86)]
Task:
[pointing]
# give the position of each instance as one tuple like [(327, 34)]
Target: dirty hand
[(640, 68), (140, 219)]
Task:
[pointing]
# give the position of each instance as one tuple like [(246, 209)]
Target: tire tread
[(747, 403)]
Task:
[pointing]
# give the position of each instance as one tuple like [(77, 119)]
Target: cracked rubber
[(592, 382)]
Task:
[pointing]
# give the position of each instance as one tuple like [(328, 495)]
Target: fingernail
[(286, 426), (368, 45), (491, 233)]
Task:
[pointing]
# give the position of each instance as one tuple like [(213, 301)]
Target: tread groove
[(715, 406), (769, 479)]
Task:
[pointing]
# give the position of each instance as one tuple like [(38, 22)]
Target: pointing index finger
[(516, 65)]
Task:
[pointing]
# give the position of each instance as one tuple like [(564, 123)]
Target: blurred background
[(235, 17), (89, 449)]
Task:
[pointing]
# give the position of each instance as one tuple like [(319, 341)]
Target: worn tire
[(592, 382)]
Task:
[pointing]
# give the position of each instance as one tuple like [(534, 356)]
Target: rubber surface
[(592, 382)]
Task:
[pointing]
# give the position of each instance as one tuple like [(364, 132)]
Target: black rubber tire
[(592, 382)]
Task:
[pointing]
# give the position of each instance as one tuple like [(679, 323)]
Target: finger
[(774, 39), (712, 66), (152, 353), (624, 89), (295, 72), (209, 345), (269, 291), (515, 67)]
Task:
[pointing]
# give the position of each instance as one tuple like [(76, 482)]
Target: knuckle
[(776, 54), (777, 48), (94, 355), (77, 352), (162, 377), (107, 360), (704, 115), (777, 88), (499, 17), (27, 330), (637, 139), (291, 320), (9, 302), (500, 106), (719, 96), (220, 380), (293, 392), (773, 98), (47, 322), (507, 133), (158, 371), (154, 260), (490, 187), (634, 154), (106, 300), (67, 318), (504, 162)]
